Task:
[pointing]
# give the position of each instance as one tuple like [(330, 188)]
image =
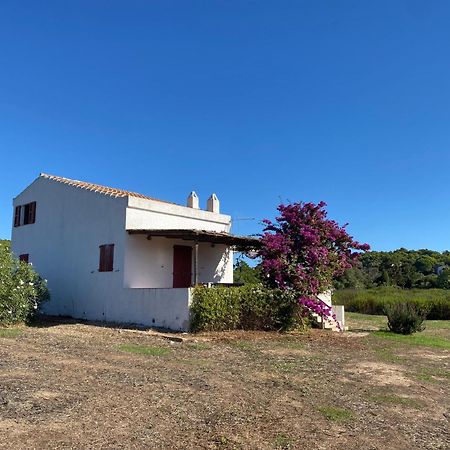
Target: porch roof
[(214, 237)]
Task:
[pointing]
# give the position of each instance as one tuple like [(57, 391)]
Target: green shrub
[(405, 318), (214, 309), (249, 307), (21, 288), (373, 301)]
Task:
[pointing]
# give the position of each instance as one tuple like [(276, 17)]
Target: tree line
[(407, 269)]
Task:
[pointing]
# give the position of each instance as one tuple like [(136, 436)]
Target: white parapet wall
[(339, 311), (143, 213), (162, 308), (325, 297), (151, 307)]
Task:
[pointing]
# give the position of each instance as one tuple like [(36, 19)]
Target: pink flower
[(303, 250)]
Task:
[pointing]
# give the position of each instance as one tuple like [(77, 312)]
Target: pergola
[(238, 243)]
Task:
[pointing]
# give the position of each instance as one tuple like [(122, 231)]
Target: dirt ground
[(68, 385)]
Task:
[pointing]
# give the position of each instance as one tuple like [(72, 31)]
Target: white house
[(119, 256)]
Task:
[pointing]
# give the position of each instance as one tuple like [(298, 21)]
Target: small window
[(25, 257), (29, 215), (17, 216), (106, 258)]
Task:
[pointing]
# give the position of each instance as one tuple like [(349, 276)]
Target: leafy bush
[(405, 318), (21, 288), (250, 307), (373, 301)]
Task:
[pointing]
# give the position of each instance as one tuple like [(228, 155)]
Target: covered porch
[(181, 258)]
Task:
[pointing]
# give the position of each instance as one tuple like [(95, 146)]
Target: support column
[(196, 264)]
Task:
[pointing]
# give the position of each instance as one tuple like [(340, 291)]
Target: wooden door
[(182, 266)]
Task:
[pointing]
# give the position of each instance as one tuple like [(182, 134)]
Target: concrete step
[(339, 311)]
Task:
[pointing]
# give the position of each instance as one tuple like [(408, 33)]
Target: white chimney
[(213, 204), (192, 200)]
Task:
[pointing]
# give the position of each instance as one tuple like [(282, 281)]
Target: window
[(106, 258), (25, 257), (29, 215), (17, 216), (25, 214)]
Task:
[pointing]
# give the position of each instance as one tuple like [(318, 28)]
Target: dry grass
[(73, 386)]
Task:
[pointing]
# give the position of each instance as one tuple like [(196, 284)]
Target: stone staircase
[(339, 311)]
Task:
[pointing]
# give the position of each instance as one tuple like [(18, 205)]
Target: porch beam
[(240, 242)]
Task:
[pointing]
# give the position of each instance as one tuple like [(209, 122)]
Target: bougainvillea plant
[(303, 251)]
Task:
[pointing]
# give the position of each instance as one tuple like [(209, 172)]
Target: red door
[(182, 266)]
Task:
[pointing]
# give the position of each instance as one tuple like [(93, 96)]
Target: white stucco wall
[(215, 263), (149, 263), (143, 214), (165, 308), (63, 244)]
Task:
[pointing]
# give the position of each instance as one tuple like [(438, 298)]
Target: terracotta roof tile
[(105, 190)]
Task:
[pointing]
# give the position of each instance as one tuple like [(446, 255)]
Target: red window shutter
[(26, 213), (17, 216), (29, 213), (106, 263), (25, 257), (110, 258), (101, 263), (32, 213)]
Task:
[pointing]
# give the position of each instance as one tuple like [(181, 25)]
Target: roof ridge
[(105, 190)]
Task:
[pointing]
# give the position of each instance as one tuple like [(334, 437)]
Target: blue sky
[(258, 101)]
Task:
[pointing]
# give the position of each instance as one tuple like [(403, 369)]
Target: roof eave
[(240, 242)]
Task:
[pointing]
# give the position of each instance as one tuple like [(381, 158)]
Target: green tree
[(351, 278), (443, 279), (21, 289), (425, 264), (402, 268), (244, 273)]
